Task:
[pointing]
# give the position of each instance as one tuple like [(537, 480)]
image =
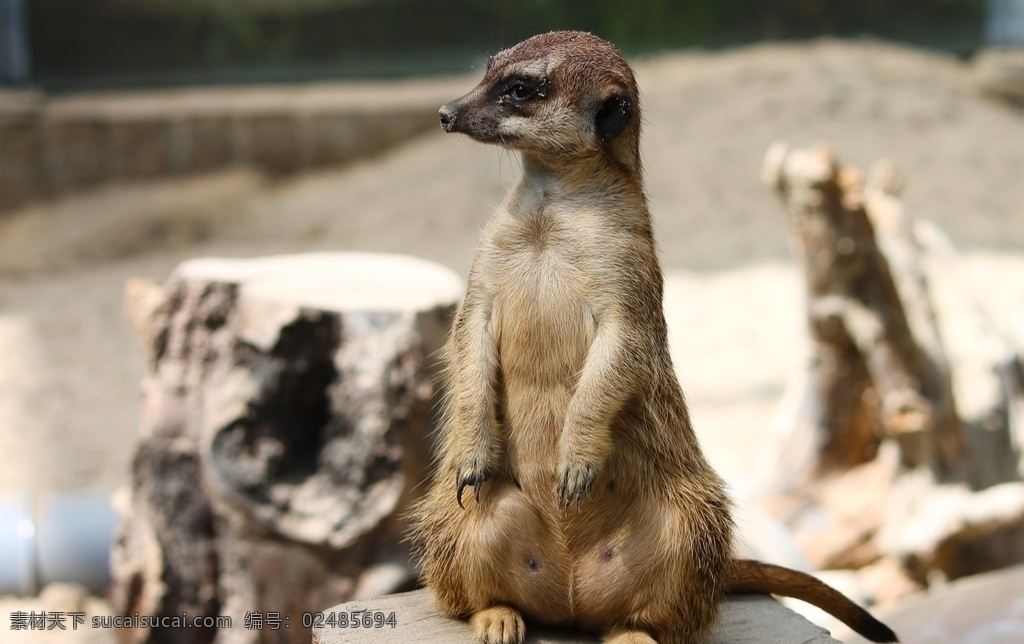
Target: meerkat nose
[(448, 118)]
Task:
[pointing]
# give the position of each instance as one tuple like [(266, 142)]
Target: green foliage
[(155, 41), (230, 31)]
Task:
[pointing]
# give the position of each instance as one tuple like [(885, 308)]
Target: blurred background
[(137, 134), (71, 44)]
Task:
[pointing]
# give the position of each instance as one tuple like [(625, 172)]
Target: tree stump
[(288, 409), (905, 458), (878, 369)]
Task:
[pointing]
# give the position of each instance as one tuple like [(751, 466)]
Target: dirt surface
[(70, 369)]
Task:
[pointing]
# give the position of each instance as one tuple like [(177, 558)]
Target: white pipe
[(63, 538)]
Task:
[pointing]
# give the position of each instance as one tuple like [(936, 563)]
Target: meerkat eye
[(521, 90)]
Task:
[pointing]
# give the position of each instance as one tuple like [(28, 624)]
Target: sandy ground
[(69, 367)]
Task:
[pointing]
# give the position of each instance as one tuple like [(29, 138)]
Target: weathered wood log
[(987, 381), (288, 406), (950, 531), (907, 449), (877, 368), (744, 618)]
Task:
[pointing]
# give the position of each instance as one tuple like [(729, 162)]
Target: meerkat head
[(560, 95)]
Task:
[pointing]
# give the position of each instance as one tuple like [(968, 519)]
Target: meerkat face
[(558, 94)]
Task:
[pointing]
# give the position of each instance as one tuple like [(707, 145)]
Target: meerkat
[(591, 504)]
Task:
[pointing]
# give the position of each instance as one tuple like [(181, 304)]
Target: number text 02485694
[(353, 619)]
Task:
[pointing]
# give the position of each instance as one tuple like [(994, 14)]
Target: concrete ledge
[(745, 618), (52, 146)]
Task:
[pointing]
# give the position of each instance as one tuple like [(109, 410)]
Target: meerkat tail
[(749, 576)]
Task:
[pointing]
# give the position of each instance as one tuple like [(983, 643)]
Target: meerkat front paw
[(499, 625), (478, 465), (474, 475), (574, 482), (580, 464)]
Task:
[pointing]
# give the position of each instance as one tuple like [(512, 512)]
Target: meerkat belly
[(546, 328), (651, 537), (617, 549)]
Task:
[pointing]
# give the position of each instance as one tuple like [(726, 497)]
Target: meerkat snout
[(447, 117), (463, 116)]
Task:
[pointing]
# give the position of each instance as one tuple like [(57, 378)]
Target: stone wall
[(56, 145)]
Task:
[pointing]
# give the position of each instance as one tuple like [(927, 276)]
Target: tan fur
[(588, 500)]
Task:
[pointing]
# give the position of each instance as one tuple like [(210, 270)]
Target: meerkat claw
[(474, 479), (574, 486)]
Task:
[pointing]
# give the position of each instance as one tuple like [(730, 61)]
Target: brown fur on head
[(565, 94)]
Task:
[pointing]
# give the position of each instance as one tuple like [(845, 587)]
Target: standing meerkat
[(590, 503)]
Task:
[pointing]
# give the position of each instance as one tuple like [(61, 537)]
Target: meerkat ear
[(613, 116)]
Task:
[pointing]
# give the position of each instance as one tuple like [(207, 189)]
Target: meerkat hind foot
[(498, 625), (628, 637)]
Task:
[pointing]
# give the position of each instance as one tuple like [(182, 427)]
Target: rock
[(744, 618), (986, 608)]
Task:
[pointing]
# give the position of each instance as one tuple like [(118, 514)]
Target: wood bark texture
[(877, 366), (288, 409), (905, 459)]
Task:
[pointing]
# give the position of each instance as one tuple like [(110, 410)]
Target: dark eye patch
[(521, 89)]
